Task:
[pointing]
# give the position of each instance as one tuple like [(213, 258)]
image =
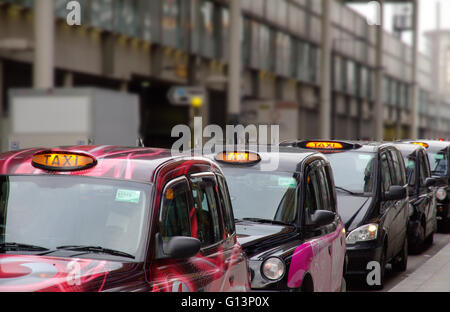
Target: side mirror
[(178, 247), (429, 182), (321, 218), (396, 192)]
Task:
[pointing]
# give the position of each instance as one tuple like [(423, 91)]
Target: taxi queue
[(108, 218)]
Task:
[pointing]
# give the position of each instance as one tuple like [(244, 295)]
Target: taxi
[(439, 157), (422, 199), (106, 218), (373, 202), (287, 220)]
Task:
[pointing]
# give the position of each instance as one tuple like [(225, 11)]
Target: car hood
[(352, 209), (22, 273), (251, 234)]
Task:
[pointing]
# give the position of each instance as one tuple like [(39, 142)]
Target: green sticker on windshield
[(439, 157), (287, 182), (365, 157), (128, 196)]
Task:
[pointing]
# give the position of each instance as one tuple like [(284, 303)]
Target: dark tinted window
[(325, 194), (175, 211), (226, 204), (410, 163), (424, 169), (312, 196), (208, 224), (397, 168), (385, 173)]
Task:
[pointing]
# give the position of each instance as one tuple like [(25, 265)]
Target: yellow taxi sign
[(425, 145), (63, 161), (238, 157), (325, 145)]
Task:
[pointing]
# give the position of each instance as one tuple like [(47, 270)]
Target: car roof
[(433, 145), (290, 158), (125, 163), (365, 146), (407, 148)]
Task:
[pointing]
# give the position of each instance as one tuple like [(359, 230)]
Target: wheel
[(419, 243), (402, 264)]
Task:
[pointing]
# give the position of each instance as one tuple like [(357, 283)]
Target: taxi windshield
[(439, 163), (54, 211), (353, 171), (263, 195)]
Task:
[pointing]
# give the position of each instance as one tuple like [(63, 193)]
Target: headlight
[(363, 234), (441, 193), (273, 269)]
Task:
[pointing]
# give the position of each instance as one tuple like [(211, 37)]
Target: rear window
[(263, 195), (438, 163), (353, 171)]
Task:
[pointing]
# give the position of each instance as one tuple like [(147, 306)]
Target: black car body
[(422, 199), (439, 156), (372, 200), (287, 217)]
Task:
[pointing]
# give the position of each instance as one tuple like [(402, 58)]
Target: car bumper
[(360, 255)]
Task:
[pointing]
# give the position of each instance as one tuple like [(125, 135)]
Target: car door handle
[(329, 250), (231, 280)]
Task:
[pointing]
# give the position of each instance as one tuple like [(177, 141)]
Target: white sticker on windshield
[(365, 157), (128, 196), (287, 182)]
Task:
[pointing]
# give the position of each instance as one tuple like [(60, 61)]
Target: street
[(414, 263)]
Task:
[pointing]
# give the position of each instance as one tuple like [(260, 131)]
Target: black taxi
[(439, 156), (284, 203), (373, 202), (422, 199)]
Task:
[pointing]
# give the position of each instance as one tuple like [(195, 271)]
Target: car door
[(426, 194), (318, 199), (207, 226), (336, 235), (175, 275), (400, 225), (236, 275), (387, 209)]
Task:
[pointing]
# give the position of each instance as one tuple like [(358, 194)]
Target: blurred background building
[(146, 47)]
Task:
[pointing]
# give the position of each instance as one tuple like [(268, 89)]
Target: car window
[(175, 211), (398, 168), (424, 169), (410, 163), (324, 189), (312, 195), (225, 201), (206, 211), (385, 173), (329, 176)]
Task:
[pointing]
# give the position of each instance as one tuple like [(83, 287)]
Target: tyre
[(402, 264), (418, 246)]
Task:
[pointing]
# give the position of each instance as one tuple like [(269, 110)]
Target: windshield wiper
[(17, 246), (348, 191), (259, 220), (97, 249)]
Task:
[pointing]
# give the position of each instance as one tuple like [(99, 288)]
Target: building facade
[(146, 47)]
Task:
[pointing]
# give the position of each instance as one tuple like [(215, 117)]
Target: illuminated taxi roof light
[(63, 161), (325, 145), (421, 144), (238, 157)]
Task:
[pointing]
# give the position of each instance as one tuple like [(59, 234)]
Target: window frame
[(212, 176)]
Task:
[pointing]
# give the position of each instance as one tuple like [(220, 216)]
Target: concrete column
[(44, 40), (325, 73), (235, 70), (379, 109), (414, 86)]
